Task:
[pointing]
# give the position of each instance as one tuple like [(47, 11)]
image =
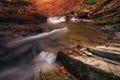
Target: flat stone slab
[(89, 68), (108, 54), (99, 64)]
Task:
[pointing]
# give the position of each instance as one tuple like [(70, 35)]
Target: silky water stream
[(29, 56)]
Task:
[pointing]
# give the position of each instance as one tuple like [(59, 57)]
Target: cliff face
[(107, 11), (105, 8)]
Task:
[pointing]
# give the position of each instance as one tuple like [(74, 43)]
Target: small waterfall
[(77, 19), (45, 61), (55, 20), (47, 56), (74, 19)]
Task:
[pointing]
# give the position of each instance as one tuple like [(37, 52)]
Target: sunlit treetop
[(55, 7)]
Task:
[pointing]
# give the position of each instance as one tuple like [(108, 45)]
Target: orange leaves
[(62, 70), (55, 7)]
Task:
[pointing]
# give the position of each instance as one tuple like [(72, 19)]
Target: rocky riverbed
[(25, 34)]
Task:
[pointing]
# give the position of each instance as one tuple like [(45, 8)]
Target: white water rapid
[(45, 61), (46, 56), (55, 20)]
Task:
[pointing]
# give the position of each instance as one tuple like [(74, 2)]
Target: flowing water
[(38, 53)]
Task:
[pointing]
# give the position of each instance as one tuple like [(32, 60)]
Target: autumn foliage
[(55, 7)]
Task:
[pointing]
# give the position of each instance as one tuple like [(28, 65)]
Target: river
[(30, 55)]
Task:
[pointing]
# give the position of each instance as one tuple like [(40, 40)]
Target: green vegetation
[(91, 2), (105, 7), (107, 21)]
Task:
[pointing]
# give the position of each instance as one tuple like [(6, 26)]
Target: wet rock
[(82, 15), (78, 15), (112, 33)]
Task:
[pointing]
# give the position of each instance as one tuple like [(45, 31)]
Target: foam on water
[(45, 61), (47, 56), (74, 19), (55, 20)]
